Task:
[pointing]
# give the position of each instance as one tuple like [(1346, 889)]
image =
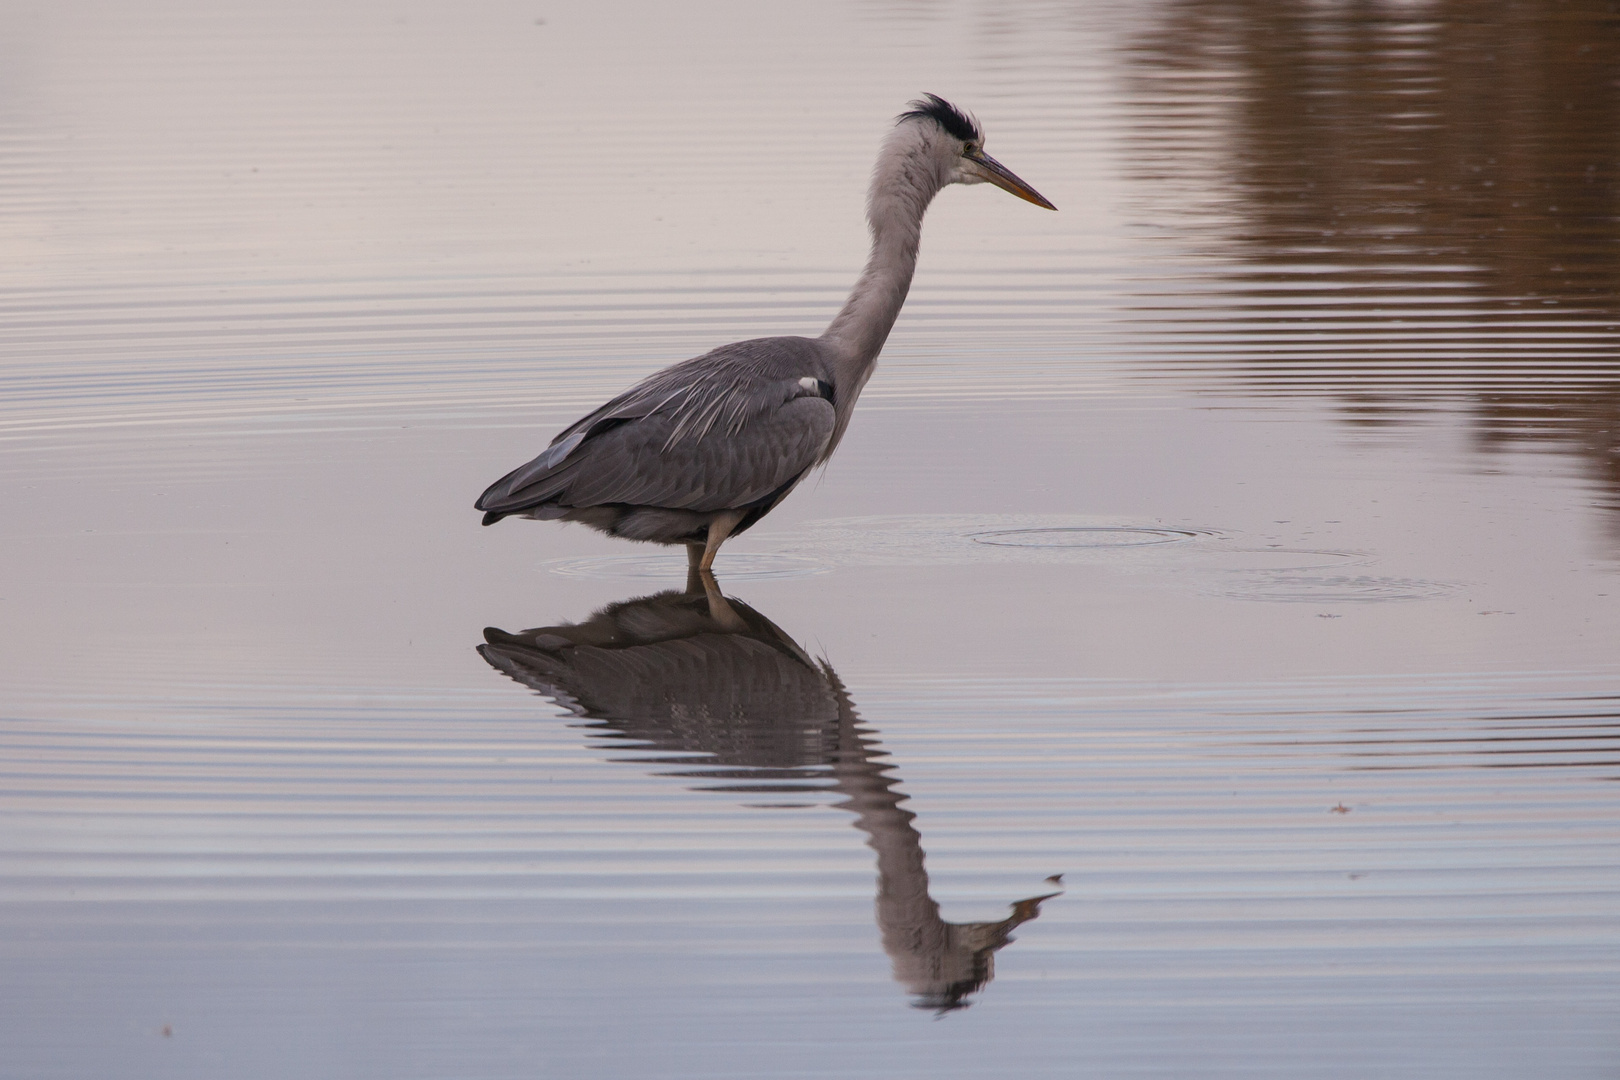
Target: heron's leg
[(719, 529), (694, 554), (719, 610)]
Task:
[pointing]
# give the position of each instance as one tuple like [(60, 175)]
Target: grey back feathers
[(724, 430)]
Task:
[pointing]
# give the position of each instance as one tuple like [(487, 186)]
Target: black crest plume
[(958, 123)]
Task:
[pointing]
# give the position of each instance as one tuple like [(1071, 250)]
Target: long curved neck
[(904, 182), (942, 962)]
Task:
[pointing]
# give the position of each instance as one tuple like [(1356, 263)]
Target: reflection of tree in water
[(1444, 174), (695, 674)]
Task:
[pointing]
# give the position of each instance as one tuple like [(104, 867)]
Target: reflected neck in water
[(696, 672)]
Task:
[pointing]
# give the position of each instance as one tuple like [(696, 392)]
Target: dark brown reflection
[(1424, 199), (694, 673)]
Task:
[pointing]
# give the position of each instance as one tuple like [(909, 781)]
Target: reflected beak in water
[(993, 171)]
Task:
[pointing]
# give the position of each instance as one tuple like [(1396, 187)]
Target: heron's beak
[(1001, 176)]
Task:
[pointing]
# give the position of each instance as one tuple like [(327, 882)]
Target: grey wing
[(637, 463), (720, 431)]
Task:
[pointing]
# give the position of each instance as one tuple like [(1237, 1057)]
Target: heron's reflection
[(695, 672)]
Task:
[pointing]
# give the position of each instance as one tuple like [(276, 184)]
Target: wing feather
[(720, 431), (635, 464)]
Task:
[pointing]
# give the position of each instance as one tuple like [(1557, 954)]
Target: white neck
[(904, 181)]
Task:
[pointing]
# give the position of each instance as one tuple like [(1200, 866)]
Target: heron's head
[(956, 142)]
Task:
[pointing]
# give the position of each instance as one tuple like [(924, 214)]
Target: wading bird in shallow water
[(700, 451)]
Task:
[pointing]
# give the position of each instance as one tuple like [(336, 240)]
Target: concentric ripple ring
[(1111, 536)]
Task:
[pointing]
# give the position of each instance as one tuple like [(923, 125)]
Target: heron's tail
[(519, 491)]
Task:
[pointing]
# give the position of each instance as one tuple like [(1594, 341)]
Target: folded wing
[(726, 430)]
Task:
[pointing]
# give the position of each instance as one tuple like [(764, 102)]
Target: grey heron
[(701, 450)]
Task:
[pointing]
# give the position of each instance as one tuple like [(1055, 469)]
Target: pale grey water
[(1239, 543)]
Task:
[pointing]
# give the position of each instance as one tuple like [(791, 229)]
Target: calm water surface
[(1218, 584)]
